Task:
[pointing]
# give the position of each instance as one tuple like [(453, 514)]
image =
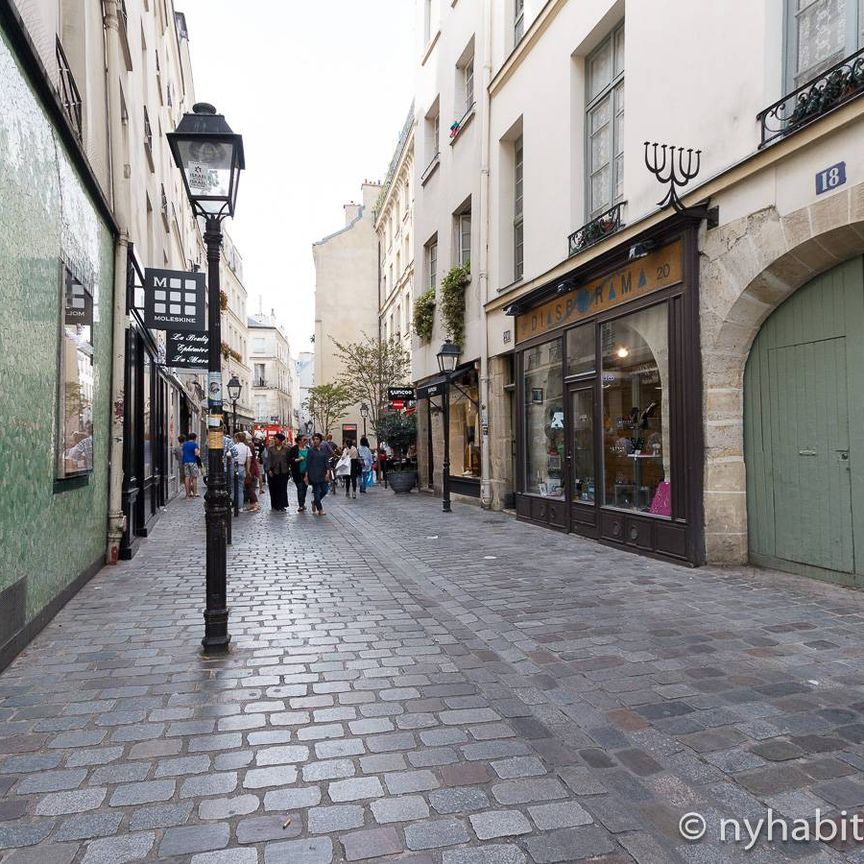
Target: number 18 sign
[(831, 178)]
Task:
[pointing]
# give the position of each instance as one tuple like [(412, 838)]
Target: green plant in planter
[(399, 431), (424, 315), (453, 301)]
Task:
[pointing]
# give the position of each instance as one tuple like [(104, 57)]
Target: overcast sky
[(319, 90)]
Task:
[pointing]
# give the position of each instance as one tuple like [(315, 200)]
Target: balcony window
[(821, 33)]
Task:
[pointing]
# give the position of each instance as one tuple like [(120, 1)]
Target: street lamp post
[(210, 158), (448, 360), (234, 388), (364, 413)]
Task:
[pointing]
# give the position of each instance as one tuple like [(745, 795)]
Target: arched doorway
[(804, 430)]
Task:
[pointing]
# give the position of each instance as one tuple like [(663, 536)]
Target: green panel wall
[(804, 431), (46, 537)]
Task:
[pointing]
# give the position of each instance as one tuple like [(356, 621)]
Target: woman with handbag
[(366, 462), (352, 457), (278, 474)]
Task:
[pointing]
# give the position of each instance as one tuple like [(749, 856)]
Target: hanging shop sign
[(405, 394), (655, 271), (174, 300), (78, 306), (186, 350)]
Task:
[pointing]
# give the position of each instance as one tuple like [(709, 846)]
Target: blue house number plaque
[(831, 178)]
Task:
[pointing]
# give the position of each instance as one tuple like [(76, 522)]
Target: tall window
[(77, 382), (427, 21), (463, 237), (518, 231), (821, 33), (518, 21), (605, 124), (469, 84), (432, 263), (259, 375)]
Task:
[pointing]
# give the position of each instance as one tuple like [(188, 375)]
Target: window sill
[(67, 484), (431, 168), (430, 47), (512, 285), (462, 124)]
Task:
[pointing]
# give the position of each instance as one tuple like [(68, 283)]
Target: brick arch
[(748, 268)]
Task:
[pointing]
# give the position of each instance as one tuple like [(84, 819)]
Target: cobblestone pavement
[(407, 685)]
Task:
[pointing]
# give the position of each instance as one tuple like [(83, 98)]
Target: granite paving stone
[(411, 686)]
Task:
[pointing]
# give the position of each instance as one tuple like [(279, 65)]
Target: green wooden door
[(804, 430)]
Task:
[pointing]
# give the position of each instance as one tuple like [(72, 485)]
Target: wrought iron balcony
[(70, 97), (596, 230), (834, 87)]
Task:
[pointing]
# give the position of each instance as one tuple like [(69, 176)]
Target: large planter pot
[(401, 481)]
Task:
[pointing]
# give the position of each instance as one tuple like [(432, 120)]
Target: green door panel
[(804, 430)]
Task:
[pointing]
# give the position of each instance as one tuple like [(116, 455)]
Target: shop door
[(581, 462), (810, 454), (804, 430)]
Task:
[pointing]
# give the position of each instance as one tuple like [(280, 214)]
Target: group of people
[(315, 463)]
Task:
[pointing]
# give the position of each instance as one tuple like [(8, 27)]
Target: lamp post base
[(216, 637)]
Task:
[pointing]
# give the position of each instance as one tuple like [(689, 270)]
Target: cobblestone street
[(407, 685)]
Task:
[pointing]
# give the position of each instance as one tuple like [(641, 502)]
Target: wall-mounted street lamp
[(210, 157)]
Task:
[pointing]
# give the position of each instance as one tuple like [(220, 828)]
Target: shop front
[(609, 441), (463, 395)]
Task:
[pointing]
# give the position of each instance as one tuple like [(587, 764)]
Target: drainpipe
[(120, 203), (485, 460)]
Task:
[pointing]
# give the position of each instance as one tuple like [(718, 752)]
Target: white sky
[(319, 90)]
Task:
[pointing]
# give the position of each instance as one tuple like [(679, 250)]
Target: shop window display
[(635, 378), (544, 420), (465, 426)]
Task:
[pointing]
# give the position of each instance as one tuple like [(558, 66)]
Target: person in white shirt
[(241, 465)]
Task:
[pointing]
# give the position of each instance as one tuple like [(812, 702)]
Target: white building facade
[(273, 374), (394, 225), (676, 381)]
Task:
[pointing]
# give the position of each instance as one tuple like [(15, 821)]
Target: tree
[(327, 404), (370, 367), (398, 430)]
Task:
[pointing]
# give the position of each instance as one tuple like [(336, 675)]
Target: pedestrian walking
[(318, 473), (297, 458), (329, 446), (278, 472), (367, 460), (350, 452), (191, 471), (241, 466), (260, 448), (178, 458), (253, 475)]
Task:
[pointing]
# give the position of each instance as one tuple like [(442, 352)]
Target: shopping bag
[(343, 466)]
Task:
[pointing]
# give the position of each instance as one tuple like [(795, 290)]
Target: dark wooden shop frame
[(680, 537)]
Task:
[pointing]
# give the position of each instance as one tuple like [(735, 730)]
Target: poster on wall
[(186, 350), (174, 300)]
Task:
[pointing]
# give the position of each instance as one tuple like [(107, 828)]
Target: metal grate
[(596, 230), (70, 97)]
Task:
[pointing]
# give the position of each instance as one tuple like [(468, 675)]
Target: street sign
[(174, 300), (186, 350), (404, 393)]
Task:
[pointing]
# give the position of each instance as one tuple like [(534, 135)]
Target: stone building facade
[(678, 381), (274, 373)]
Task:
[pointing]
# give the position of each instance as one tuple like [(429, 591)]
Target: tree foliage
[(327, 403), (370, 367), (424, 315), (399, 430)]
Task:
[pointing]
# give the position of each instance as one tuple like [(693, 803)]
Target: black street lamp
[(210, 158), (364, 413), (234, 388), (448, 360)]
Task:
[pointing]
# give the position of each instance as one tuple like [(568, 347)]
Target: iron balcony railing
[(70, 97), (834, 87), (596, 230)]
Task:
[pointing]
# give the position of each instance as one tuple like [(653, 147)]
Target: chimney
[(352, 211)]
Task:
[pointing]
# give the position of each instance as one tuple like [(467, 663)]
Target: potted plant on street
[(400, 432)]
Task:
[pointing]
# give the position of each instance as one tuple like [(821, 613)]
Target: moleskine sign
[(657, 270), (174, 300), (186, 350)]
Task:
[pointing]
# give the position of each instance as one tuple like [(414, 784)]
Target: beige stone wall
[(501, 431), (748, 268)]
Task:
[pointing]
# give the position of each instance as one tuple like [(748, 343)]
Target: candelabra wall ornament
[(677, 166)]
